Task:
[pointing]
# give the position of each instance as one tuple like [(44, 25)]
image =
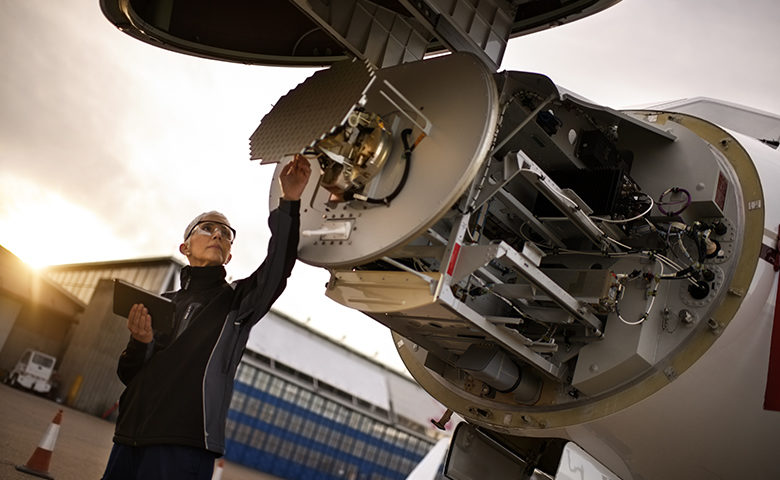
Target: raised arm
[(294, 177), (257, 292)]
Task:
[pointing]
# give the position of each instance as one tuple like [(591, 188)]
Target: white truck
[(33, 371)]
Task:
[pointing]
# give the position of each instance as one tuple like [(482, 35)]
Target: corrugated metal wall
[(81, 280), (88, 369)]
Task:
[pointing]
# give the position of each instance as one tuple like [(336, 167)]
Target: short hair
[(200, 218)]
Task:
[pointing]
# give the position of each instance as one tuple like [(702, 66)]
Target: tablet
[(160, 308)]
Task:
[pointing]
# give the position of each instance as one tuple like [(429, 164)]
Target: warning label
[(720, 193)]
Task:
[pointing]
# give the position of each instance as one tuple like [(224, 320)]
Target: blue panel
[(286, 468), (278, 468), (265, 461)]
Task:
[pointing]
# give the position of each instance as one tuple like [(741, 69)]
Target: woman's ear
[(184, 249), (230, 255)]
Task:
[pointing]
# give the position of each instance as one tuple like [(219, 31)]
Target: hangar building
[(304, 406)]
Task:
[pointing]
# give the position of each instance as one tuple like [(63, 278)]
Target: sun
[(43, 228)]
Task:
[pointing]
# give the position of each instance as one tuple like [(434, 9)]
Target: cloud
[(643, 52), (42, 227), (139, 135), (130, 141)]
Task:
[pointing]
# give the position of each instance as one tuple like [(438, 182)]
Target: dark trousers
[(159, 462)]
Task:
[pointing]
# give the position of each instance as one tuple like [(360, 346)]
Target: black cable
[(407, 161)]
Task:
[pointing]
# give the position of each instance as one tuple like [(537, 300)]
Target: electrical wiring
[(474, 194), (407, 156), (668, 261), (662, 204), (660, 259), (488, 288), (420, 265), (480, 226), (558, 194), (470, 235), (567, 251), (673, 239), (548, 246), (627, 220), (508, 302), (522, 315), (621, 245), (643, 253), (652, 294), (684, 250), (577, 207), (561, 195)]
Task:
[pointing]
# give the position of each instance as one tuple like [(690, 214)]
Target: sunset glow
[(43, 228)]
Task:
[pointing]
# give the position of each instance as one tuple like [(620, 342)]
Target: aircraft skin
[(553, 271)]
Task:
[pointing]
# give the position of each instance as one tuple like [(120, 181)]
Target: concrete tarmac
[(83, 442)]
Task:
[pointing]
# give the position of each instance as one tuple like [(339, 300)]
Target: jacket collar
[(201, 278)]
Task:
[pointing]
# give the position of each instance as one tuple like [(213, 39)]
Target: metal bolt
[(442, 422), (686, 317), (714, 325)]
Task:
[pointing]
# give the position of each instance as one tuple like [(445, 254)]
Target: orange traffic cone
[(38, 464), (218, 469)]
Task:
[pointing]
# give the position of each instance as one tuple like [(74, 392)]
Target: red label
[(772, 394), (453, 259), (720, 193)]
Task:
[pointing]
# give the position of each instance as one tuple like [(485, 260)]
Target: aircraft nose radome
[(298, 33)]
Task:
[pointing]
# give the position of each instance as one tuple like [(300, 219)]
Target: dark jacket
[(179, 388)]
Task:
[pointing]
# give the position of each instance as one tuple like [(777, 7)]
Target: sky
[(109, 146)]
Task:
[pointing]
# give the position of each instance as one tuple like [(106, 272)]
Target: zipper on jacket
[(203, 386), (236, 333), (185, 320)]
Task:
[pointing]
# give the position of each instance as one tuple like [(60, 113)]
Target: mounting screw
[(714, 325), (442, 422)]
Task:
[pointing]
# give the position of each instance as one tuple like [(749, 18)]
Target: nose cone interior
[(277, 32)]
